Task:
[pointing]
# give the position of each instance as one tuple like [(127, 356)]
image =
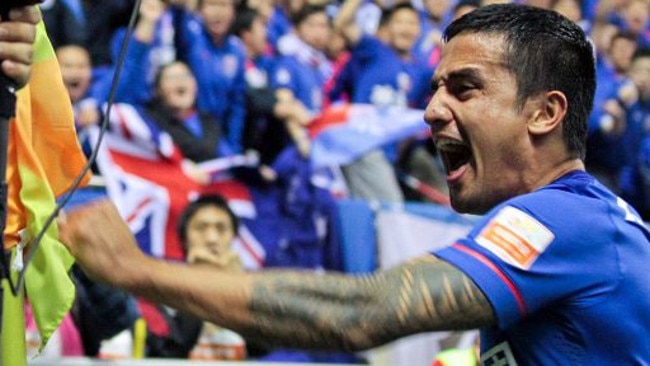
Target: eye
[(460, 89), (434, 87)]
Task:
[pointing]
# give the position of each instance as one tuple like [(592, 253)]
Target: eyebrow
[(470, 73)]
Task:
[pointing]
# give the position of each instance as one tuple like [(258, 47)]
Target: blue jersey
[(305, 79), (634, 148), (566, 270), (219, 70), (637, 125), (378, 75), (277, 26), (604, 152), (384, 78), (427, 47)]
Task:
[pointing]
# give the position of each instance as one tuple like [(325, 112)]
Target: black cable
[(33, 245)]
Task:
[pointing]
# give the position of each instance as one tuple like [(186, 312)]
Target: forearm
[(145, 31), (208, 293), (281, 307), (333, 311), (344, 21), (356, 313)]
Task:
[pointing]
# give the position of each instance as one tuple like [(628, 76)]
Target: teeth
[(454, 153), (450, 145)]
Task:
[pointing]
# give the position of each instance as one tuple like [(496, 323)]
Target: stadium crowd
[(250, 78)]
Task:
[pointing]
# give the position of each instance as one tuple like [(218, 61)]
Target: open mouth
[(180, 91), (72, 84), (454, 154)]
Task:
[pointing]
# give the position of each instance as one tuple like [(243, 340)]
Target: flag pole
[(7, 113)]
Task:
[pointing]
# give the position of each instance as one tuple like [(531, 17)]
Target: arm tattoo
[(340, 312)]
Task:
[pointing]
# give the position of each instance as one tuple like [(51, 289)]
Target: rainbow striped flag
[(44, 157)]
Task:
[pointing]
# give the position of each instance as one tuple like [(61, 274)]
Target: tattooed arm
[(294, 309), (353, 313)]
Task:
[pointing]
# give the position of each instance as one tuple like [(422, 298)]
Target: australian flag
[(290, 222), (146, 177)]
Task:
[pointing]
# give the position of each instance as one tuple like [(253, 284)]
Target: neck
[(250, 53), (183, 113), (569, 165), (404, 55), (218, 39)]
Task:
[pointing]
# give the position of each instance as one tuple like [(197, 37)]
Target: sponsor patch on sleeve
[(515, 237)]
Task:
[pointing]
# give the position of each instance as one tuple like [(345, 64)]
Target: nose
[(213, 239), (437, 112)]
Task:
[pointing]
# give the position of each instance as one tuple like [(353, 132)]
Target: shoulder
[(575, 209), (235, 45)]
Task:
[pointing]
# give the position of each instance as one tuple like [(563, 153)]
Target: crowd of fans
[(225, 77)]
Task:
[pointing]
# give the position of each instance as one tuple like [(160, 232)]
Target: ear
[(550, 113)]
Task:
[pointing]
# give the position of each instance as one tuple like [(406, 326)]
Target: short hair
[(305, 12), (544, 51), (193, 207), (387, 13), (623, 34), (162, 68), (244, 20)]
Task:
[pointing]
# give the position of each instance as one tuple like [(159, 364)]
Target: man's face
[(76, 71), (263, 7), (217, 16), (315, 30), (256, 40), (621, 52), (640, 75), (177, 87), (209, 235), (403, 30), (436, 8), (476, 123), (636, 15), (570, 9)]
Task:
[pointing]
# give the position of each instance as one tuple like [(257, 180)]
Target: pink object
[(68, 334)]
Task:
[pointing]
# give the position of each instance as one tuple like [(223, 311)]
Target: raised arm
[(295, 309), (344, 21)]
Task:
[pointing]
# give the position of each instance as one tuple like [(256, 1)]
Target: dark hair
[(623, 34), (162, 68), (244, 21), (305, 12), (387, 13), (193, 207), (641, 52), (544, 51)]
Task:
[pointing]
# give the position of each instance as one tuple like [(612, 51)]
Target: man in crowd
[(207, 228)]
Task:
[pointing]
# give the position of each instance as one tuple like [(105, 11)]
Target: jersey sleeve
[(530, 254), (367, 50), (282, 75)]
